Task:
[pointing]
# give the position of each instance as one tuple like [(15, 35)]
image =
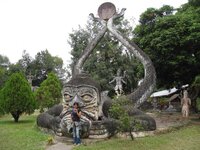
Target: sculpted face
[(88, 99), (86, 96)]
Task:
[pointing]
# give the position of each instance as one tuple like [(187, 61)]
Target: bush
[(119, 112), (49, 93)]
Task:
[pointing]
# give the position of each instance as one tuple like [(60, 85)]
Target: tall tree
[(41, 65), (3, 76), (26, 62), (49, 93), (172, 42), (4, 61), (16, 97)]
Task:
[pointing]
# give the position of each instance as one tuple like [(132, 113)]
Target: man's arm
[(79, 114)]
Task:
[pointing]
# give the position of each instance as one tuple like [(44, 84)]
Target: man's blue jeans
[(76, 133)]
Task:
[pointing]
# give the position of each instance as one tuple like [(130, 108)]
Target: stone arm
[(181, 101), (63, 113), (94, 18), (51, 118), (120, 14), (112, 81), (123, 81), (189, 101)]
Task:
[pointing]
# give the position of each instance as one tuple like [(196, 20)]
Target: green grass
[(23, 135), (187, 138)]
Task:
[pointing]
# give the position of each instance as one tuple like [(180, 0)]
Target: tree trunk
[(15, 115), (130, 132)]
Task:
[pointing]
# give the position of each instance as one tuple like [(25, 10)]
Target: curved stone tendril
[(87, 51), (145, 89)]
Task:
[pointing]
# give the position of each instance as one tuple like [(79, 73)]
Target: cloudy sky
[(36, 25)]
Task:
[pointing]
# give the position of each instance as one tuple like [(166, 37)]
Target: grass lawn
[(187, 138), (22, 135)]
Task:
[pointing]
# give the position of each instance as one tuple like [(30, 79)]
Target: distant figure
[(185, 103), (119, 80)]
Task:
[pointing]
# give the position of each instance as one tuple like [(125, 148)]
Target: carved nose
[(78, 100)]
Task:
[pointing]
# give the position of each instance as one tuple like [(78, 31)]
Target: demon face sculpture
[(86, 92)]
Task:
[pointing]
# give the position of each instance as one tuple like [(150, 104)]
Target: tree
[(4, 61), (41, 65), (26, 62), (2, 76), (172, 42), (16, 96), (194, 93), (108, 56), (49, 93)]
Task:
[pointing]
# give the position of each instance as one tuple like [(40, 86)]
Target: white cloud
[(35, 25)]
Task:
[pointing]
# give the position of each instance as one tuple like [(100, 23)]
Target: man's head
[(75, 105)]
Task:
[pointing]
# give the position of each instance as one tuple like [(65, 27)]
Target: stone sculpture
[(185, 103), (119, 80), (84, 90)]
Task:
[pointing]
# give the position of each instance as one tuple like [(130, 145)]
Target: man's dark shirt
[(74, 115)]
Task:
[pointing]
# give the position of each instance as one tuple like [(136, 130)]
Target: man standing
[(76, 115)]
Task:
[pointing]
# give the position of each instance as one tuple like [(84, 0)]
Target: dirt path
[(60, 146), (61, 143)]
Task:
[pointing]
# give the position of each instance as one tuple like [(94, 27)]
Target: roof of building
[(167, 92)]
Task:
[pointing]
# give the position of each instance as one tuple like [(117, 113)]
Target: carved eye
[(67, 97), (87, 97)]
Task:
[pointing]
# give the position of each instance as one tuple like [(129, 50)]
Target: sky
[(36, 25)]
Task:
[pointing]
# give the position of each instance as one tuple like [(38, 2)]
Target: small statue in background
[(119, 80), (185, 103)]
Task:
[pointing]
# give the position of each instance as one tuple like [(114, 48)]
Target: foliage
[(4, 61), (195, 93), (196, 82), (50, 140), (49, 93), (108, 56), (23, 135), (198, 104), (119, 112), (2, 112), (16, 96), (172, 42), (3, 76), (41, 65)]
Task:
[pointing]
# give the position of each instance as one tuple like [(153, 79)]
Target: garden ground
[(173, 133)]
